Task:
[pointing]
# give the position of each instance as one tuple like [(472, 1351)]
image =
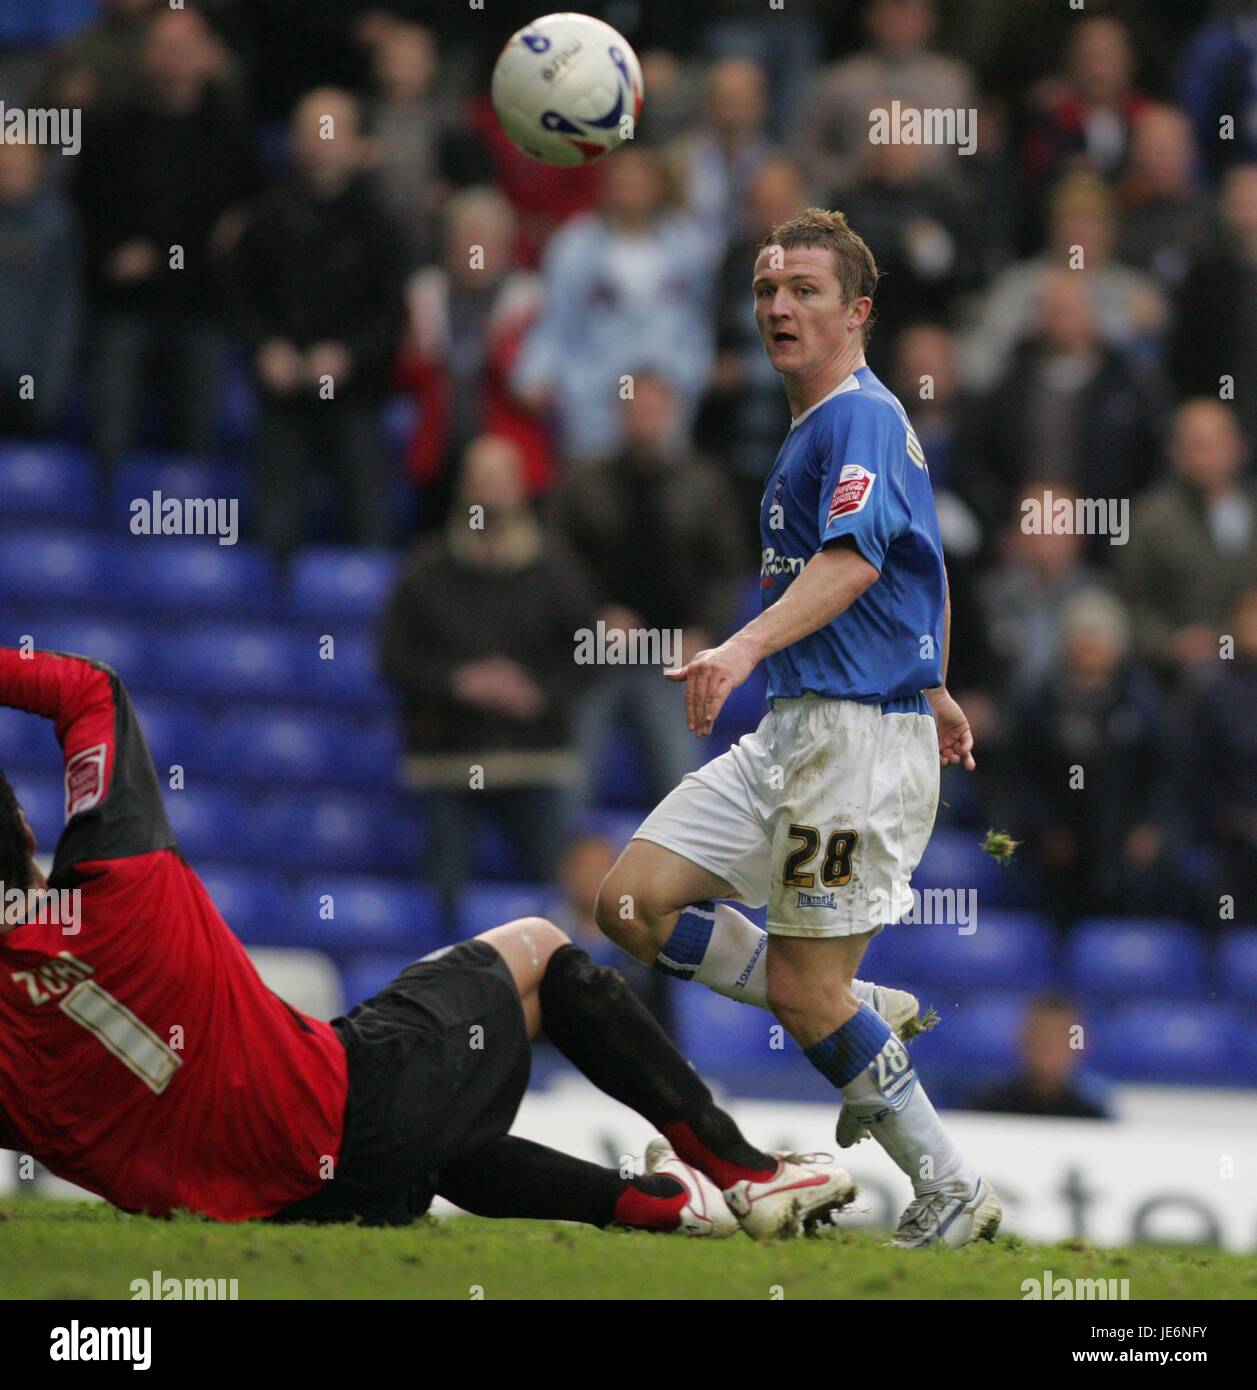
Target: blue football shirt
[(852, 466)]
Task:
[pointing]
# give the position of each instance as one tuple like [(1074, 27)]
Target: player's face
[(802, 317)]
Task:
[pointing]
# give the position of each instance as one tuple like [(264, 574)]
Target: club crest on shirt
[(852, 491), (84, 780)]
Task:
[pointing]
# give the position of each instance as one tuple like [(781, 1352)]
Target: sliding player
[(142, 1057), (824, 812)]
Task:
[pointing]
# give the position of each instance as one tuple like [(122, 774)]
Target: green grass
[(54, 1249)]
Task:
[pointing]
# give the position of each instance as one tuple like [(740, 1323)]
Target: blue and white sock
[(871, 1067), (716, 945)]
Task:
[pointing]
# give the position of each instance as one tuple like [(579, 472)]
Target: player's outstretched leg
[(596, 1021), (513, 1177), (855, 1050), (707, 941)]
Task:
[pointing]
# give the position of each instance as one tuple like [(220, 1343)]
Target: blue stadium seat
[(229, 660), (196, 573), (349, 678), (42, 797), (49, 480), (27, 741), (175, 733), (209, 822), (1196, 1043), (717, 1033), (983, 1035), (485, 905), (366, 975), (1112, 955), (112, 640), (255, 904), (285, 745), (52, 563), (1007, 949), (1236, 971), (336, 832), (369, 914), (621, 780), (45, 23), (342, 583), (173, 475)]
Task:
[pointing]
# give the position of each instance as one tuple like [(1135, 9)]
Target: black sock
[(589, 1013), (515, 1177)]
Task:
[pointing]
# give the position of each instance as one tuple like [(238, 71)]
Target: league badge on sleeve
[(84, 780), (852, 491)]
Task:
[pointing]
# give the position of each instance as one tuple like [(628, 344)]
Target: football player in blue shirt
[(824, 811)]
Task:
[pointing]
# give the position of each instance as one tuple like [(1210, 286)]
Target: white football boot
[(903, 1012), (804, 1194), (707, 1213), (948, 1218)]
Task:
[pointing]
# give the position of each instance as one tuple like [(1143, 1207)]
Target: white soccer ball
[(568, 89)]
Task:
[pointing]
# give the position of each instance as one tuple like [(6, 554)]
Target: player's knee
[(616, 910), (544, 937)]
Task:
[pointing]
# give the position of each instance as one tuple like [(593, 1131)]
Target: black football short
[(438, 1065)]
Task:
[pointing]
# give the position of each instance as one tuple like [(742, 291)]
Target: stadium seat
[(620, 779), (1005, 948), (368, 914), (1193, 1043), (255, 904), (982, 1036), (299, 746), (228, 660), (305, 979), (47, 480), (955, 859), (195, 573), (114, 641), (173, 475), (342, 583), (366, 975), (175, 733), (27, 741), (349, 677), (485, 905), (341, 831), (208, 822), (1236, 971), (61, 564), (716, 1033), (1112, 955)]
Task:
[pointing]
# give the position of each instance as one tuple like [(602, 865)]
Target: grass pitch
[(52, 1249)]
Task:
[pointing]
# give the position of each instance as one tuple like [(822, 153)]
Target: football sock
[(872, 1069), (513, 1177), (718, 946), (589, 1013)]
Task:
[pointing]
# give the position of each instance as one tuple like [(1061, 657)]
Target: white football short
[(822, 813)]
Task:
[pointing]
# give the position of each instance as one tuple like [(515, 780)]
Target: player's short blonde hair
[(853, 261)]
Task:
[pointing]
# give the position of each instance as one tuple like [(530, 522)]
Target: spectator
[(407, 121), (715, 163), (467, 318), (1085, 116), (897, 65), (1070, 411), (1090, 750), (1024, 597), (1193, 543), (317, 288), (652, 500), (1217, 80), (100, 67), (1221, 764), (477, 642), (632, 278), (40, 293), (160, 185), (587, 860), (743, 412), (1166, 225), (1129, 308), (1047, 1083), (1214, 339)]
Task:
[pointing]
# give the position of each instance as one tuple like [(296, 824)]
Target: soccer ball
[(567, 89)]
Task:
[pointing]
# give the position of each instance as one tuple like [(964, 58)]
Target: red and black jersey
[(141, 1056)]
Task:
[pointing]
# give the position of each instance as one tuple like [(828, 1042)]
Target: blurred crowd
[(428, 326)]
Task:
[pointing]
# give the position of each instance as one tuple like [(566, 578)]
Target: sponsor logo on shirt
[(84, 780), (852, 491), (772, 566)]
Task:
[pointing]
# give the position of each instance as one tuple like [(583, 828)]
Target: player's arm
[(955, 739), (112, 798), (828, 585)]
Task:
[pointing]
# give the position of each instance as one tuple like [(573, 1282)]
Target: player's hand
[(955, 739), (709, 678)]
